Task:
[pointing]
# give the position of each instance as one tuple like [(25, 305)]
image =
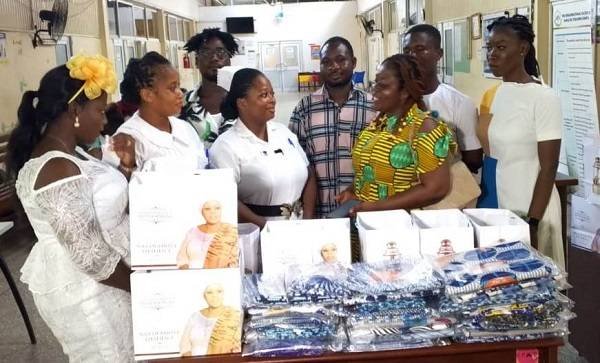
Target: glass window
[(393, 22), (172, 27), (112, 22), (62, 50), (126, 20), (415, 12), (139, 21), (152, 18), (180, 30), (188, 30), (448, 49), (140, 48)]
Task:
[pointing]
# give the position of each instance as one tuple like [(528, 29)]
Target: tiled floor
[(15, 246)]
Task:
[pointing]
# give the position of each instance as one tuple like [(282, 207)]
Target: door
[(270, 59), (281, 62), (290, 65), (448, 46)]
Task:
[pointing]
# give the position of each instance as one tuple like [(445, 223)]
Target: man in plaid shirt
[(328, 121)]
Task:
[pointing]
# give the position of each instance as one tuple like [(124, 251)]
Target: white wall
[(311, 23), (364, 5)]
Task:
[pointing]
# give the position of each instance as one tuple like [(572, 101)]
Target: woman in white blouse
[(163, 142), (77, 271), (520, 130), (271, 169)]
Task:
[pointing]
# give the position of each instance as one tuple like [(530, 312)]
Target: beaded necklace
[(392, 124)]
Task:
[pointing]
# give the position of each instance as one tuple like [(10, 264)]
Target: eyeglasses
[(209, 53)]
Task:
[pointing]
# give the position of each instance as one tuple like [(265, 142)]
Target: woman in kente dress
[(400, 159)]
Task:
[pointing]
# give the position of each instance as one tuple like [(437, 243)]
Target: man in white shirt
[(423, 41)]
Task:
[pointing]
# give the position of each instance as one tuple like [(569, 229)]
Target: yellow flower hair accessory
[(97, 72)]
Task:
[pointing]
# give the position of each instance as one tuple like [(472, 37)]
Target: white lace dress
[(83, 232)]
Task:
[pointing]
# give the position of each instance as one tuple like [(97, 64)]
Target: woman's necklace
[(391, 122), (67, 149)]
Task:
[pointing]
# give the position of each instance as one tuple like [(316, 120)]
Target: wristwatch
[(533, 222)]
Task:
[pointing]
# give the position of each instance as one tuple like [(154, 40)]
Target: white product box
[(311, 241), (250, 247), (385, 235), (443, 232), (183, 221), (186, 312), (493, 226)]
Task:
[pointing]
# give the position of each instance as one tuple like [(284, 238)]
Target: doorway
[(281, 62)]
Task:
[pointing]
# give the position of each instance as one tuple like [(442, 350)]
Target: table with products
[(501, 302), (547, 350)]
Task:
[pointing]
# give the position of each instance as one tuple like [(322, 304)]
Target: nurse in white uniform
[(162, 142), (271, 169)]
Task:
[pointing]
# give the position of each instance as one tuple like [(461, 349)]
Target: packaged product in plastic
[(296, 348), (388, 280), (432, 330), (263, 290), (316, 283), (501, 265)]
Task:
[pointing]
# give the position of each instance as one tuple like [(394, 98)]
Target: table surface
[(483, 353)]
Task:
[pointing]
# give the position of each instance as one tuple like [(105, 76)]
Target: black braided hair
[(139, 74), (197, 41), (409, 76), (524, 30), (37, 110)]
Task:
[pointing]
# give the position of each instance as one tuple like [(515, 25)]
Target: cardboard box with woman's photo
[(183, 221), (186, 312), (305, 242)]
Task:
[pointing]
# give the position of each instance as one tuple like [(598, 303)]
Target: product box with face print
[(493, 226), (304, 242), (183, 221), (386, 235), (186, 312), (443, 231)]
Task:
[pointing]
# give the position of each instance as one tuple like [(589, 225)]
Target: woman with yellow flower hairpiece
[(77, 271)]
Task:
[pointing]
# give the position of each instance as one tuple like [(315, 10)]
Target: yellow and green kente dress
[(385, 160)]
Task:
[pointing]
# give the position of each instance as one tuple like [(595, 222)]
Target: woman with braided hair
[(216, 329), (163, 142), (399, 160), (520, 130)]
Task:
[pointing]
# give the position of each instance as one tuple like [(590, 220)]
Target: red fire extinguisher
[(186, 61)]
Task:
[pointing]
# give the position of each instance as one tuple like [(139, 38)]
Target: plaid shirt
[(327, 133)]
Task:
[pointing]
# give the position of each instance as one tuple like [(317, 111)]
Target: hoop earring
[(76, 121)]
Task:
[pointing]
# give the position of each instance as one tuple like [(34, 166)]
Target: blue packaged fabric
[(396, 279), (541, 291), (298, 348), (433, 329), (490, 267), (261, 290)]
